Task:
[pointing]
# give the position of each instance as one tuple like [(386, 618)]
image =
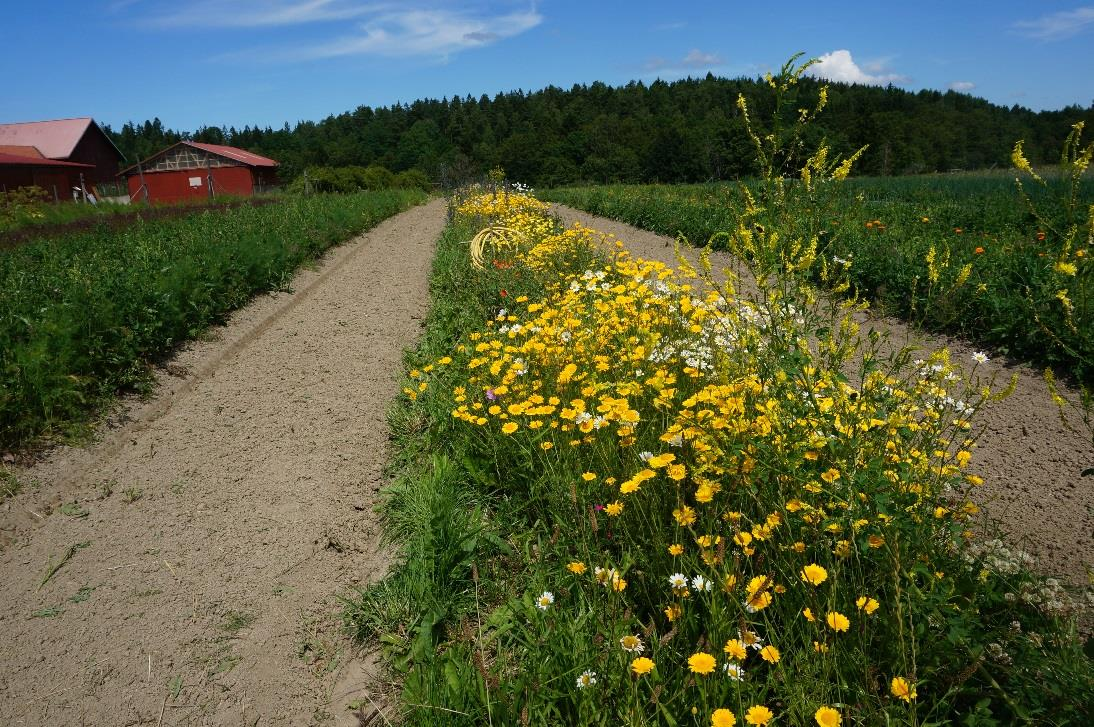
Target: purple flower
[(491, 395)]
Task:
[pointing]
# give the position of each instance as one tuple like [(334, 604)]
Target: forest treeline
[(684, 131)]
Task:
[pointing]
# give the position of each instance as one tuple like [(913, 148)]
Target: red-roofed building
[(192, 170), (55, 177), (80, 141)]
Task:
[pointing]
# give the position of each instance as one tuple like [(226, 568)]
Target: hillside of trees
[(684, 131)]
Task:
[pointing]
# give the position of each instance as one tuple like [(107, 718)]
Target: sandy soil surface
[(1030, 461), (214, 527), (203, 542)]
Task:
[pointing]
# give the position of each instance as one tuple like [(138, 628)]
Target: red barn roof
[(231, 152), (228, 152), (54, 139), (21, 151), (17, 159)]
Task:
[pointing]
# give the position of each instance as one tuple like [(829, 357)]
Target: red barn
[(79, 141), (27, 169), (191, 170)]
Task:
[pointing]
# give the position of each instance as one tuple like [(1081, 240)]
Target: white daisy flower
[(678, 581), (980, 357), (587, 679), (545, 600), (632, 643), (700, 583), (736, 672)]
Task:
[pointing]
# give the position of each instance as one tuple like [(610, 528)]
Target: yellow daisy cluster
[(751, 478)]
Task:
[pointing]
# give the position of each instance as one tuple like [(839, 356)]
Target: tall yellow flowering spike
[(1018, 159)]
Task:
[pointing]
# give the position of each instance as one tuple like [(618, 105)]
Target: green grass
[(484, 527), (1009, 301), (83, 315)]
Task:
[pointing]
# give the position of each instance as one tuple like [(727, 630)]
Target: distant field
[(84, 313), (1010, 298), (53, 219)]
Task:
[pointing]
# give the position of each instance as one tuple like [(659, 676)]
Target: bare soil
[(186, 569), (1030, 460), (203, 543)]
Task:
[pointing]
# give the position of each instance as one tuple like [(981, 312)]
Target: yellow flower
[(676, 549), (722, 718), (1066, 268), (820, 648), (576, 567), (676, 472), (661, 460), (869, 605), (701, 663), (808, 613), (758, 715), (642, 665), (588, 476), (837, 621), (814, 574), (830, 475), (770, 654), (673, 612), (684, 516), (735, 650), (613, 509), (902, 689), (828, 717), (509, 427)]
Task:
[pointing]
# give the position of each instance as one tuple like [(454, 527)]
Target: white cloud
[(258, 13), (423, 32), (432, 28), (695, 59), (1057, 26), (962, 86), (839, 66)]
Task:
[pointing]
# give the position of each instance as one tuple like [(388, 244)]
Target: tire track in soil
[(240, 502), (1030, 461)]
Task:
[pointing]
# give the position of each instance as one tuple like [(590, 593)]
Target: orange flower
[(958, 230), (979, 251), (1040, 236)]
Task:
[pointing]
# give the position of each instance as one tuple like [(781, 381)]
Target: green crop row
[(957, 253), (83, 315)]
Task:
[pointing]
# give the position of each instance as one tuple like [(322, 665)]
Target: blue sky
[(237, 62)]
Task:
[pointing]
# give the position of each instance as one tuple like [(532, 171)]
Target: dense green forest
[(685, 131)]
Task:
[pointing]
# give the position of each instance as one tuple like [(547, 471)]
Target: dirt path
[(1030, 461), (222, 519)]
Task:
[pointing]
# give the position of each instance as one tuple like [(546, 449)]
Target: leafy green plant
[(84, 315)]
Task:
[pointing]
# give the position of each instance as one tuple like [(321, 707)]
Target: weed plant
[(83, 315), (654, 500), (968, 254)]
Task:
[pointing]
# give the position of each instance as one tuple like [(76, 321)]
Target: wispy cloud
[(430, 28), (962, 86), (423, 33), (258, 13), (1058, 26), (839, 66), (694, 60)]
